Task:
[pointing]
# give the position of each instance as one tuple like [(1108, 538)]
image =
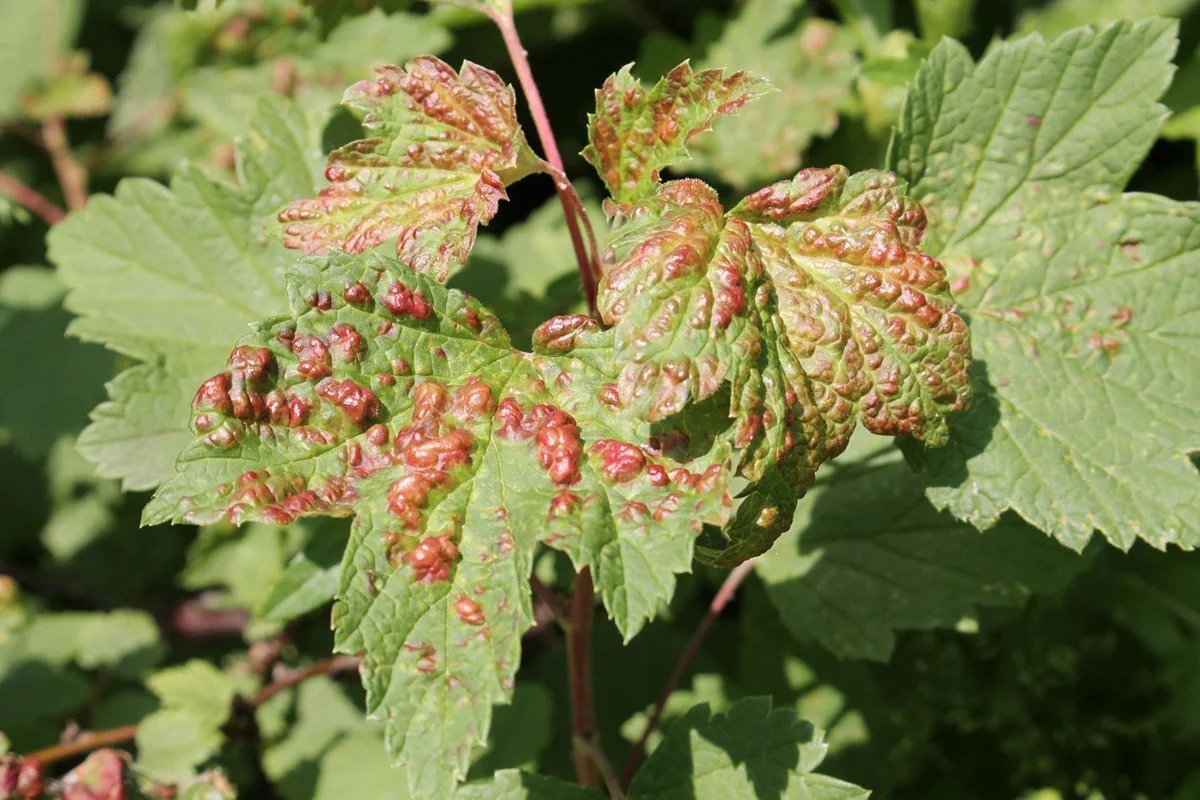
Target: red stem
[(25, 196), (579, 671), (72, 176), (126, 733), (724, 595), (589, 265)]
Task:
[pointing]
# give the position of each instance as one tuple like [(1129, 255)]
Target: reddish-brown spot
[(657, 475), (314, 357), (468, 610), (472, 400), (564, 503), (358, 402), (320, 300), (377, 435), (345, 342), (609, 396), (402, 301), (1122, 316), (21, 778), (427, 658), (472, 319), (634, 510), (557, 435), (505, 544), (561, 333), (357, 293), (619, 461), (213, 395), (432, 559)]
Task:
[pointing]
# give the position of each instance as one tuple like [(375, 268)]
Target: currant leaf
[(446, 144), (748, 752), (812, 300), (869, 556), (391, 398), (636, 132), (1083, 300), (169, 276)]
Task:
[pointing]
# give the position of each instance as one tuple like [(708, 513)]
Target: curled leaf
[(445, 145)]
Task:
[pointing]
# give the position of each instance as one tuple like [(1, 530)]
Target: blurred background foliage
[(1087, 687)]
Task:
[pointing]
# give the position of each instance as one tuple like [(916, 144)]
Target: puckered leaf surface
[(394, 399), (636, 131), (868, 556), (445, 144), (1084, 302), (810, 61), (749, 752), (811, 299), (170, 276)]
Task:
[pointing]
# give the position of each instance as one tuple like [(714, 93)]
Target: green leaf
[(511, 784), (1083, 301), (938, 18), (749, 752), (71, 91), (124, 640), (197, 699), (309, 580), (32, 330), (169, 276), (812, 299), (391, 398), (868, 556), (446, 144), (812, 64), (637, 132), (33, 36), (1058, 16)]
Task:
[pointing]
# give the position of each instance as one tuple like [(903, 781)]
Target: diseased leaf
[(391, 398), (169, 276), (1084, 302), (636, 132), (812, 299), (868, 556), (446, 144), (749, 752), (812, 64)]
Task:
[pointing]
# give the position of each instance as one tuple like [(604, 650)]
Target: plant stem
[(589, 264), (724, 595), (84, 744), (557, 605), (579, 676), (72, 176), (27, 197), (606, 771), (94, 739)]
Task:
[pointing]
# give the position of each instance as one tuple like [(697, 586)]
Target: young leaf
[(196, 701), (1082, 299), (169, 276), (749, 752), (812, 64), (636, 132), (446, 144), (394, 399), (868, 518), (812, 299)]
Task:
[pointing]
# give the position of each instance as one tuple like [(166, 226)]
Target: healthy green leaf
[(812, 300), (33, 37), (511, 784), (169, 276), (446, 144), (391, 398), (1058, 16), (196, 701), (33, 345), (637, 132), (309, 580), (868, 556), (749, 752), (1083, 301)]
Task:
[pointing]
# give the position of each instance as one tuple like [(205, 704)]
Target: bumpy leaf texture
[(811, 299), (1084, 302), (445, 145), (387, 396), (636, 131)]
